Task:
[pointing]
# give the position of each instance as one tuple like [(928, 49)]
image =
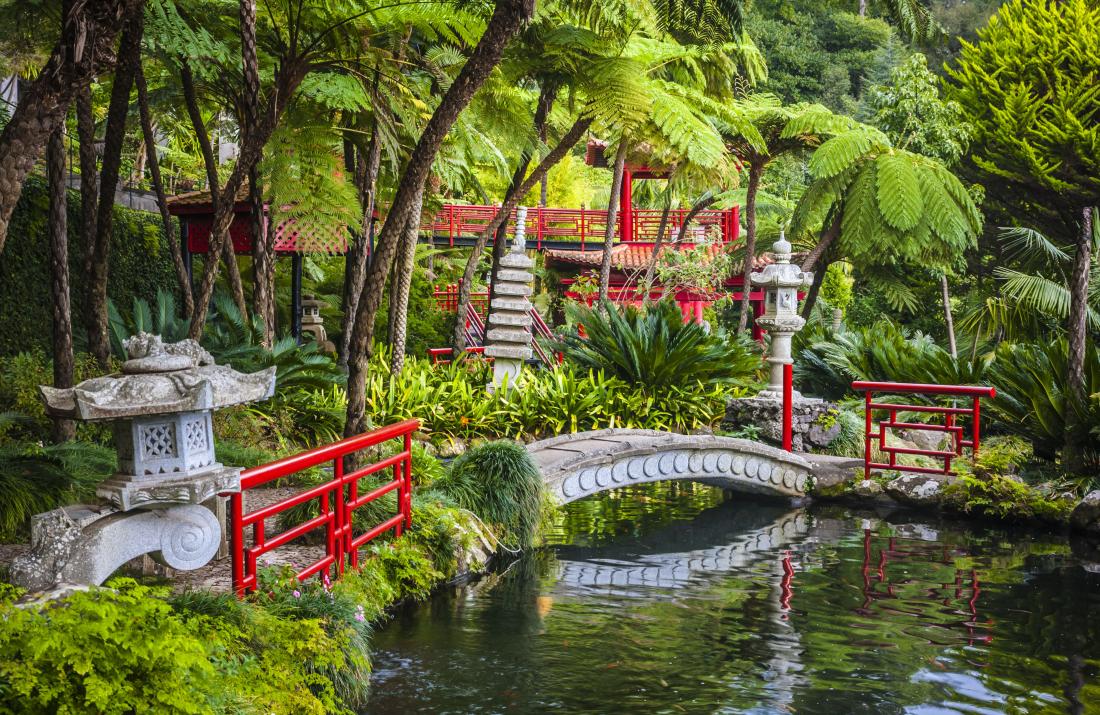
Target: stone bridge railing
[(577, 465)]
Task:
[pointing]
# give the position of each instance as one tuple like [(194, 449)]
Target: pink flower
[(297, 593)]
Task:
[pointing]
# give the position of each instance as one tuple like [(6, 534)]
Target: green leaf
[(899, 193)]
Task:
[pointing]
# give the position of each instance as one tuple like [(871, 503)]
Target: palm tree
[(85, 48), (784, 130), (877, 206)]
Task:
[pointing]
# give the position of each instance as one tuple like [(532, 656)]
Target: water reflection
[(670, 600)]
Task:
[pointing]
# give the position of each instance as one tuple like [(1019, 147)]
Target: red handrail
[(338, 497), (950, 426), (542, 223)]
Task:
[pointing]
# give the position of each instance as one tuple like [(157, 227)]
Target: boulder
[(1086, 515), (915, 489), (867, 488)]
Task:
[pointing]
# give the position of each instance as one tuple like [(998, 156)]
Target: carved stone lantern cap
[(782, 273), (159, 379)]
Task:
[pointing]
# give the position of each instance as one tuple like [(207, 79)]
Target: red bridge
[(578, 229)]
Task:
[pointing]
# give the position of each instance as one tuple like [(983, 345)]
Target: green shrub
[(108, 651), (501, 485), (1031, 397), (36, 478), (1001, 497), (20, 377), (655, 349)]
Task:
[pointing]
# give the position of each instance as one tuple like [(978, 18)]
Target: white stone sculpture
[(508, 340), (780, 281), (161, 405)]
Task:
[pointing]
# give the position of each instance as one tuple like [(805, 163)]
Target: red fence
[(956, 422), (338, 499), (446, 299), (581, 225)]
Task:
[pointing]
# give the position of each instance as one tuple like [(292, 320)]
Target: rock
[(1086, 515), (813, 422), (915, 489), (925, 439), (450, 448), (867, 488)]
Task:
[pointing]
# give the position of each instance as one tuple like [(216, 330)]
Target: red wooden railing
[(443, 356), (956, 420), (579, 225), (338, 499), (446, 299)]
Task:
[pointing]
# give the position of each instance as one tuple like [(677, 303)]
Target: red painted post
[(788, 406), (867, 435), (236, 506)]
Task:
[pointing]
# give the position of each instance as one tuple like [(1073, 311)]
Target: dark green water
[(665, 599)]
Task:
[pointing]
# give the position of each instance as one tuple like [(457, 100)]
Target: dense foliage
[(654, 349)]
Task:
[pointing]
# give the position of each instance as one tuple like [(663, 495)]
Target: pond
[(671, 599)]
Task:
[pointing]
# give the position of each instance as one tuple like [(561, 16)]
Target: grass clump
[(499, 483)]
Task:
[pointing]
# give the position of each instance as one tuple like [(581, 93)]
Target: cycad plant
[(655, 349), (1033, 400)]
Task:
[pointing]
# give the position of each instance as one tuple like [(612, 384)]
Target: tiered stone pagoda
[(161, 406), (781, 281), (508, 340)]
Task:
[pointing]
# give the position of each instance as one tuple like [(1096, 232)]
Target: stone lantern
[(160, 407), (508, 340), (780, 281), (314, 324)]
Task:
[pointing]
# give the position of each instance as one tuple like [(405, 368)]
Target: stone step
[(508, 335), (516, 260), (513, 289), (512, 275), (510, 318), (509, 352)]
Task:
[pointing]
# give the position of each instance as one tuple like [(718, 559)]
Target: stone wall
[(813, 423)]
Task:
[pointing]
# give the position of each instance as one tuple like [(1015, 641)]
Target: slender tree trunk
[(287, 80), (508, 16), (947, 317), (815, 288), (63, 430), (541, 118), (355, 267), (612, 217), (86, 48), (403, 273), (756, 171), (1076, 387), (228, 256), (863, 8), (556, 154), (89, 176), (129, 59), (651, 264), (263, 258), (704, 201), (162, 200), (829, 235)]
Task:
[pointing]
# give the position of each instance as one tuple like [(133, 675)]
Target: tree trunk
[(756, 171), (829, 235), (85, 48), (508, 16), (129, 59), (89, 175), (286, 83), (541, 118), (651, 264), (704, 201), (228, 256), (612, 217), (947, 317), (63, 430), (403, 273), (863, 8), (162, 200), (556, 154), (263, 258), (355, 267), (1076, 387), (815, 289)]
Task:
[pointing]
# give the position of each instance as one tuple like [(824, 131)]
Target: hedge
[(140, 263)]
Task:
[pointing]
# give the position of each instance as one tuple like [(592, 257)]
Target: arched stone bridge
[(577, 465)]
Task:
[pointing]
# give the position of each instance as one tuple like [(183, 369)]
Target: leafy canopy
[(1030, 87)]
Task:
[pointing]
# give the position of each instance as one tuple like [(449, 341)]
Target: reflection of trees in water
[(632, 512)]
